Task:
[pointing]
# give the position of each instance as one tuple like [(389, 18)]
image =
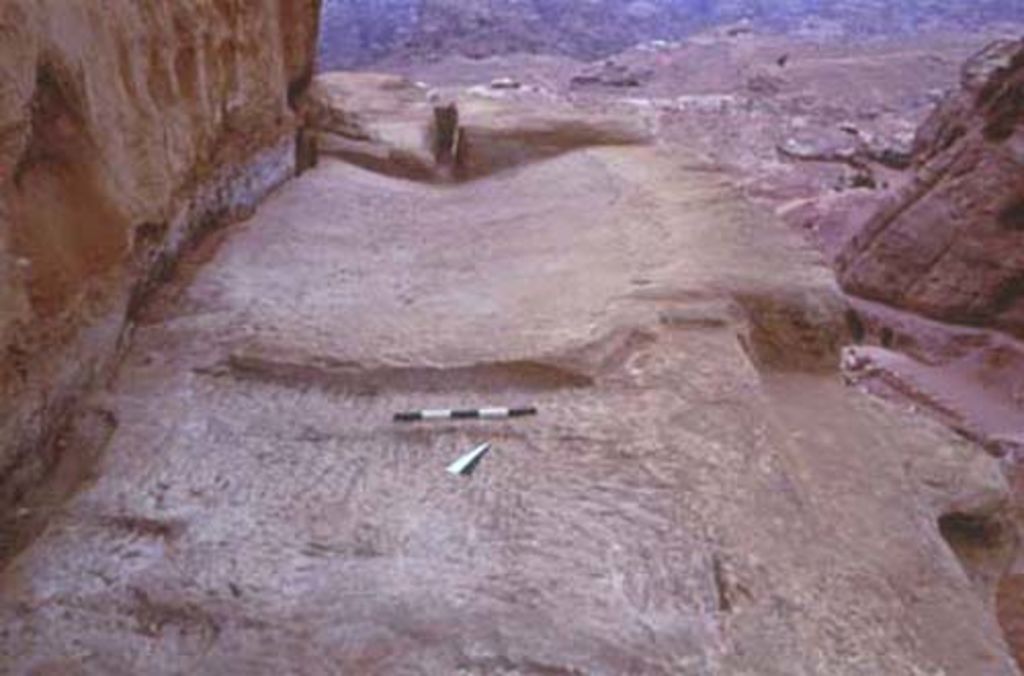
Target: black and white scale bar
[(466, 414)]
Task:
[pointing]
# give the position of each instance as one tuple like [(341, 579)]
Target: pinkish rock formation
[(950, 244)]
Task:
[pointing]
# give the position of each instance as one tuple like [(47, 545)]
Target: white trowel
[(464, 466)]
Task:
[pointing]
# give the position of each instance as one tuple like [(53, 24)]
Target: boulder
[(612, 74)]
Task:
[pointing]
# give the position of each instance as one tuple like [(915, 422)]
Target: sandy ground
[(700, 493)]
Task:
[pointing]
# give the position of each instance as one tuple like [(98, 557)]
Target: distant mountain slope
[(358, 32)]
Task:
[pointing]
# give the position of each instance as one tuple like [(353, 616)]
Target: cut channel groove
[(344, 377)]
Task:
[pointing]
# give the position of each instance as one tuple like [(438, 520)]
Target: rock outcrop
[(125, 129), (950, 243)]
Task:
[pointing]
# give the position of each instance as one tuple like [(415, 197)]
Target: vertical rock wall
[(126, 126)]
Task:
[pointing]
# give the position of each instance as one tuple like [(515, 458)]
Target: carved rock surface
[(691, 498), (394, 126), (950, 243)]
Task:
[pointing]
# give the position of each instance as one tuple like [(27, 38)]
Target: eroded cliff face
[(125, 129), (950, 244)]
